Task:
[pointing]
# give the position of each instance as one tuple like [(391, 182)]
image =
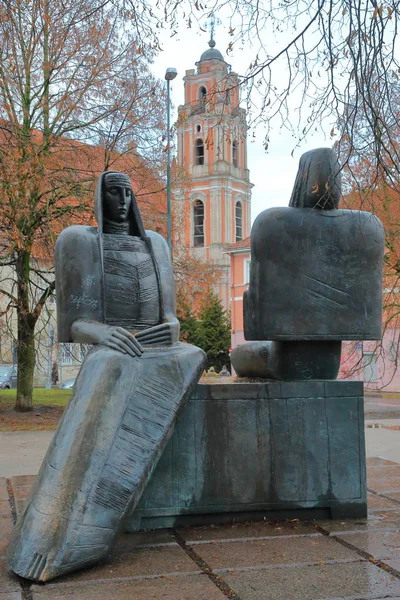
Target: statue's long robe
[(120, 417)]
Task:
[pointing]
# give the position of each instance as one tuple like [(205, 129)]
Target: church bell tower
[(212, 203)]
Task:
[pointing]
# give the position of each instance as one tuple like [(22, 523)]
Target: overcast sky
[(272, 172)]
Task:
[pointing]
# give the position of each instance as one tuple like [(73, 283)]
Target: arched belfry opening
[(202, 93)]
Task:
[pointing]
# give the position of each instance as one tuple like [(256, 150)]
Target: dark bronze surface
[(246, 451), (115, 290), (316, 275), (288, 361)]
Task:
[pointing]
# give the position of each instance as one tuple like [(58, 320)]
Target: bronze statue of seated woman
[(115, 290)]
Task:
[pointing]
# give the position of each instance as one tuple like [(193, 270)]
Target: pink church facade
[(239, 254), (212, 203)]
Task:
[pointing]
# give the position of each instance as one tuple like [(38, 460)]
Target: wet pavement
[(382, 406), (292, 560), (320, 560)]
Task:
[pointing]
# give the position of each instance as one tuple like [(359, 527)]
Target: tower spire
[(211, 43)]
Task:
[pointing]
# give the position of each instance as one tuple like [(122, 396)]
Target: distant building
[(212, 202), (377, 363), (240, 259)]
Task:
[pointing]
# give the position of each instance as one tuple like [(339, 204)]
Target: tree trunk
[(26, 364), (26, 335)]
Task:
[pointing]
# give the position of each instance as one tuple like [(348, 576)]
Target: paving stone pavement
[(291, 560)]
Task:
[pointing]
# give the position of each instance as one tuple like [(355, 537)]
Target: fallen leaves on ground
[(48, 407), (42, 418)]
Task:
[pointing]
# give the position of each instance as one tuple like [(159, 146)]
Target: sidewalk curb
[(381, 426), (387, 395)]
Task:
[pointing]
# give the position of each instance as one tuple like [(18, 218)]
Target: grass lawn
[(40, 396), (48, 407)]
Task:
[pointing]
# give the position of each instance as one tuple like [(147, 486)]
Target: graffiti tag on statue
[(89, 281), (83, 300)]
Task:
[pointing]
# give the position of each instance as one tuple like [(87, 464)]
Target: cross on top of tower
[(211, 23), (212, 53)]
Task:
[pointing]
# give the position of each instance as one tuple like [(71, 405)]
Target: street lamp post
[(170, 74)]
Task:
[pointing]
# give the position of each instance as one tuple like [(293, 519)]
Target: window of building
[(199, 149), (247, 265), (65, 354), (202, 93), (392, 351), (83, 350), (227, 97), (238, 220), (235, 154), (198, 128), (370, 364), (198, 223), (51, 300)]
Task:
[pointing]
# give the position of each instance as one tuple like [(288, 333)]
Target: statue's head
[(318, 181), (117, 197), (116, 202)]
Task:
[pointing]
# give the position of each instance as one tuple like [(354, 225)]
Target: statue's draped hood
[(135, 221), (318, 181)]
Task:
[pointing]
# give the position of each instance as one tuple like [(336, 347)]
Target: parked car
[(67, 385), (8, 377)]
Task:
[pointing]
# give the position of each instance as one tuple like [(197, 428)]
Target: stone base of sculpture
[(254, 450)]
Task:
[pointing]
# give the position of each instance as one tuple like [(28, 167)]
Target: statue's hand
[(86, 331), (159, 335), (120, 339)]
